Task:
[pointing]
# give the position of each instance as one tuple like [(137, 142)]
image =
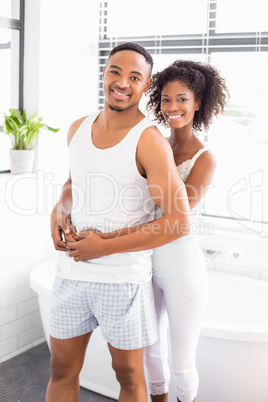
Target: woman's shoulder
[(204, 154), (204, 159)]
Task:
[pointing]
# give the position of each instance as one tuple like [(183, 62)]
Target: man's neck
[(127, 117)]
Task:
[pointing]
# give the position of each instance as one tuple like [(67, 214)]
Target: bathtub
[(232, 354)]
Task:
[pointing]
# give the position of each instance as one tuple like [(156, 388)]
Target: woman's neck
[(182, 138)]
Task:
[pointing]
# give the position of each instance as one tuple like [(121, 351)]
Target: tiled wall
[(25, 242), (239, 253)]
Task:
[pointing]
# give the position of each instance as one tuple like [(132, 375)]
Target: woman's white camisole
[(183, 257)]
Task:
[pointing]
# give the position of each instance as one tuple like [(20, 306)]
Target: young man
[(120, 167)]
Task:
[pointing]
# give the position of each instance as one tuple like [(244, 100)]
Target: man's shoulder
[(74, 127), (152, 135), (76, 124), (153, 147)]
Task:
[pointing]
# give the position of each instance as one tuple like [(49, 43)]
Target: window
[(11, 61), (233, 37)]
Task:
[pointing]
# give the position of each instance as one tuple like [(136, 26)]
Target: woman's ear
[(197, 105)]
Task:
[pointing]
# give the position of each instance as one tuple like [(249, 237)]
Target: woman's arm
[(200, 178)]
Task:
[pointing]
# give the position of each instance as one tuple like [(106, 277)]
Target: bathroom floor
[(24, 378)]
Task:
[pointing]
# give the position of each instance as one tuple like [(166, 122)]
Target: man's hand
[(60, 226), (87, 233), (91, 246)]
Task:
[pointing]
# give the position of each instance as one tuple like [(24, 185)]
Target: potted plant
[(23, 133)]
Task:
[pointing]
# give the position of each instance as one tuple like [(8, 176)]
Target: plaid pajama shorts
[(125, 312)]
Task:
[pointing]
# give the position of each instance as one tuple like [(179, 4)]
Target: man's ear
[(103, 71), (148, 84)]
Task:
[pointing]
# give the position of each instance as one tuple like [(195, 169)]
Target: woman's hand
[(87, 246)]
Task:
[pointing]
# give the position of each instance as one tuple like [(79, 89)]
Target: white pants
[(181, 303)]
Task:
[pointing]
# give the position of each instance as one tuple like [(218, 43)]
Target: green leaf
[(22, 130)]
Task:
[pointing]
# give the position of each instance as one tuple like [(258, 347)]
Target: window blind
[(206, 43)]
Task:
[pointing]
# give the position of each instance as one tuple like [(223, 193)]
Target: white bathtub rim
[(36, 275), (211, 329), (38, 289), (233, 332), (236, 277)]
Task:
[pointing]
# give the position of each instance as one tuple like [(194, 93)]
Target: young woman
[(185, 96)]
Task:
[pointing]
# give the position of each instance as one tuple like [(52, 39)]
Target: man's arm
[(167, 190), (60, 221), (196, 185), (60, 217)]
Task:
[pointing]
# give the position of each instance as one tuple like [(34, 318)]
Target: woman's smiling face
[(178, 104)]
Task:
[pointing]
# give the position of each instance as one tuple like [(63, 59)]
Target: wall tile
[(27, 307), (8, 283), (14, 265), (253, 245), (8, 346), (30, 335), (7, 315), (16, 327), (22, 278), (14, 297), (256, 260), (36, 319), (22, 248)]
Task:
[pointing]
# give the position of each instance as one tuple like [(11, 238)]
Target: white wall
[(68, 72), (60, 76)]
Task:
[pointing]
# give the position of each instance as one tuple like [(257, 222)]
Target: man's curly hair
[(202, 79)]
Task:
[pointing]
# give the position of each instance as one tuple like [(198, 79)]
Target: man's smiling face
[(125, 78)]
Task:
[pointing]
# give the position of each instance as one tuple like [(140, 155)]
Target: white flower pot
[(21, 161)]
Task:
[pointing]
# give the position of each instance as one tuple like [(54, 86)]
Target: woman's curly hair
[(202, 79)]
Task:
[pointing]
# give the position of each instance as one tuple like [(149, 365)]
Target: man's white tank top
[(108, 193)]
